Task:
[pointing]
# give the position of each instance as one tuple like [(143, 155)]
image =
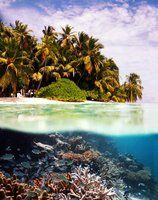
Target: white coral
[(90, 186)]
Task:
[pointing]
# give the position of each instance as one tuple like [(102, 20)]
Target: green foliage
[(96, 95), (16, 46), (63, 90), (92, 94), (133, 88), (26, 64)]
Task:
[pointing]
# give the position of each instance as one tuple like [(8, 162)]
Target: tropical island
[(64, 66), (70, 152)]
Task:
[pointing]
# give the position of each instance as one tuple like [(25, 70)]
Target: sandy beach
[(24, 100), (35, 100)]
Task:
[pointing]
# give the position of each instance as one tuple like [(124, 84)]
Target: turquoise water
[(100, 118), (131, 128)]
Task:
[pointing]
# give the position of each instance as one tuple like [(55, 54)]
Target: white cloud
[(5, 3), (130, 36)]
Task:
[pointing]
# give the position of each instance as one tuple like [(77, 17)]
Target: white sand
[(34, 100), (24, 100)]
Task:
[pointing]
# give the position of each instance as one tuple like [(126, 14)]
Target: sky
[(128, 30)]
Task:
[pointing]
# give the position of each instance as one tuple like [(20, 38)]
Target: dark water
[(144, 148), (129, 155)]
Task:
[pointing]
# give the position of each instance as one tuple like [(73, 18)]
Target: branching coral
[(89, 186), (85, 157), (81, 185), (109, 171)]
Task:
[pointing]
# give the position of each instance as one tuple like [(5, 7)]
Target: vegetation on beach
[(63, 90), (26, 63)]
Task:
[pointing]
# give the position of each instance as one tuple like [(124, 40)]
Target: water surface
[(104, 118)]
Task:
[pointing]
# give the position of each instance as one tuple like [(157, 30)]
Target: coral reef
[(89, 186), (142, 176), (80, 184), (87, 156), (71, 166)]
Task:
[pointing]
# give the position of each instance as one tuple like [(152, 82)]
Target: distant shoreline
[(36, 100), (26, 100)]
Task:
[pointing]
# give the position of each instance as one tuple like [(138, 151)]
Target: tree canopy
[(26, 63)]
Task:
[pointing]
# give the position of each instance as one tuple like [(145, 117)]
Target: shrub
[(96, 95), (62, 90)]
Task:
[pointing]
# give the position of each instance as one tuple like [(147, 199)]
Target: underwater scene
[(78, 151)]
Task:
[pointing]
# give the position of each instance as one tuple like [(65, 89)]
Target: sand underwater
[(78, 151)]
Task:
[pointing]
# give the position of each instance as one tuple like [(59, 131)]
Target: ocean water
[(144, 148), (126, 135)]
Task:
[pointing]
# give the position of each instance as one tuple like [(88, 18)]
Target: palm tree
[(89, 50), (108, 79), (46, 56), (119, 94), (56, 56), (24, 63), (15, 63), (50, 32), (133, 87), (89, 58), (67, 38)]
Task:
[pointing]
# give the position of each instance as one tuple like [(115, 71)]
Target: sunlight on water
[(95, 117)]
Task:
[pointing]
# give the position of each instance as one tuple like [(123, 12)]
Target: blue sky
[(127, 28), (84, 3)]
